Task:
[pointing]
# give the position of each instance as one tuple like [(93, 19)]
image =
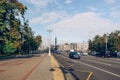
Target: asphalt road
[(91, 68)]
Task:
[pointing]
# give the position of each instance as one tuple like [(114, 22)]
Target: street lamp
[(49, 31), (106, 44)]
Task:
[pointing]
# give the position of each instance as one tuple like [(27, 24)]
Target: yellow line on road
[(89, 76), (57, 72), (90, 73)]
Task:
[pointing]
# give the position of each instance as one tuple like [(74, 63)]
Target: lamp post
[(83, 46), (106, 49), (49, 31)]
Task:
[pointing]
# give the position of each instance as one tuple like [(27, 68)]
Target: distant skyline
[(73, 20)]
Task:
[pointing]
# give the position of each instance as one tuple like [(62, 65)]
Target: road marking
[(94, 67), (90, 73), (89, 76), (110, 60), (99, 62), (57, 74)]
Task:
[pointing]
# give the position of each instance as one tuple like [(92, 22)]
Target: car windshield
[(75, 53)]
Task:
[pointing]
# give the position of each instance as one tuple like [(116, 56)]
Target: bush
[(8, 48)]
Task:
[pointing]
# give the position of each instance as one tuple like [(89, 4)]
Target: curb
[(67, 74), (57, 71)]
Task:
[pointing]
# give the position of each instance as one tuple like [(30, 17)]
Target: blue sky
[(73, 20)]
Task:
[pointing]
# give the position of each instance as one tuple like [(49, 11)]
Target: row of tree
[(107, 42), (16, 37)]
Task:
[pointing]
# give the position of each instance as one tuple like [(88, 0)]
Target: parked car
[(58, 52), (74, 55), (101, 54), (84, 54), (93, 53), (113, 54), (118, 54)]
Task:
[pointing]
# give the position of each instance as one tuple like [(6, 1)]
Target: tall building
[(73, 46), (55, 43)]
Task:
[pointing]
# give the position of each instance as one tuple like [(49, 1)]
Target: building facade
[(82, 47)]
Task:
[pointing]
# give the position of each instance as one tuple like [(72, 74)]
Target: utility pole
[(55, 43), (106, 49), (106, 43), (83, 47), (49, 31)]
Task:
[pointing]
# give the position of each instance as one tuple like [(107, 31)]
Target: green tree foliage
[(38, 40), (9, 24), (98, 43), (114, 41), (30, 42), (15, 33), (8, 48)]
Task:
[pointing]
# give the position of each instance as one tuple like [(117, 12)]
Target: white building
[(74, 46)]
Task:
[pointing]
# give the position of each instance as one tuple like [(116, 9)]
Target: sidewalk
[(48, 69), (43, 67)]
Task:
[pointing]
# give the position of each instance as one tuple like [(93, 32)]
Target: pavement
[(41, 67), (91, 67), (75, 69)]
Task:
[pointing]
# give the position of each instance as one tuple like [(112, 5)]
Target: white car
[(84, 54)]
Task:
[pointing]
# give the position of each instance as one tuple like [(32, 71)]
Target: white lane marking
[(94, 67), (99, 62), (110, 60)]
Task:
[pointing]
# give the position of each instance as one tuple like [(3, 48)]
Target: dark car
[(118, 54), (74, 55), (58, 52), (111, 54)]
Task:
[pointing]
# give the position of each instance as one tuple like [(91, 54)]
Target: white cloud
[(115, 8), (115, 14), (41, 3), (110, 1), (68, 1), (92, 8), (46, 18), (82, 26)]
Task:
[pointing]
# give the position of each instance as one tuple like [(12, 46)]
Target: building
[(82, 47)]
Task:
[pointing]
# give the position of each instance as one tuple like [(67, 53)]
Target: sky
[(72, 20)]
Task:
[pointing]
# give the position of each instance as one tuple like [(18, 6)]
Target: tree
[(8, 48), (114, 41), (9, 23), (98, 43), (38, 40), (15, 33)]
